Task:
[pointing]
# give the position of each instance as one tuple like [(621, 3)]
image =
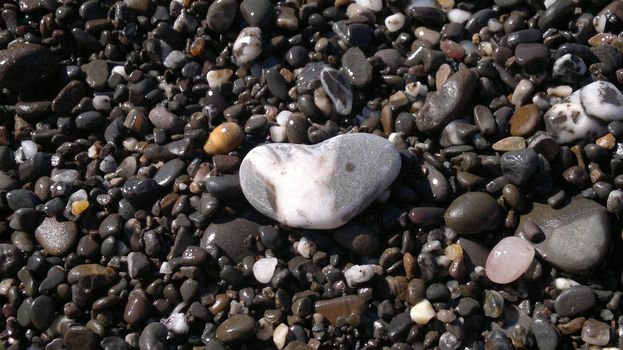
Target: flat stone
[(341, 307), (236, 329), (357, 238), (276, 178), (546, 335), (56, 237), (232, 236), (566, 244), (96, 74), (338, 89), (221, 15), (574, 301), (473, 212), (256, 12), (356, 67), (92, 275), (24, 66), (447, 103), (585, 114)]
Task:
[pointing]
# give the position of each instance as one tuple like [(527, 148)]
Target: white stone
[(306, 248), (523, 92), (165, 268), (564, 283), (509, 259), (119, 70), (372, 5), (264, 268), (584, 114), (217, 77), (459, 16), (277, 133), (395, 22), (29, 149), (321, 186), (282, 117), (64, 175), (176, 323), (422, 312), (102, 103), (279, 335), (361, 273), (248, 46), (561, 91)]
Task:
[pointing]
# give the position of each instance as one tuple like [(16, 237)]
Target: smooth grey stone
[(236, 329), (275, 179), (519, 166), (356, 67), (231, 236), (21, 199), (153, 337), (221, 15), (43, 309), (277, 84), (473, 212), (167, 173), (357, 238), (574, 301), (447, 103), (546, 335), (567, 245), (257, 13)]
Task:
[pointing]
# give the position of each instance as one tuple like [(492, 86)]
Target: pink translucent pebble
[(509, 259)]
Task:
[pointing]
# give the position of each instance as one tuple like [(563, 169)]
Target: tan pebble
[(608, 142), (511, 143), (78, 207), (453, 251), (409, 264), (525, 121), (224, 139)]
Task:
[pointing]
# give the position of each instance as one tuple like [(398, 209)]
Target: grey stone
[(574, 301), (577, 236)]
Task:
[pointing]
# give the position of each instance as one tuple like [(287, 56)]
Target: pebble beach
[(311, 174)]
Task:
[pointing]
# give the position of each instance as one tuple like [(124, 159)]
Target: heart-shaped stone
[(321, 186)]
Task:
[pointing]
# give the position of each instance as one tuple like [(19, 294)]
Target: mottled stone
[(56, 237), (275, 178)]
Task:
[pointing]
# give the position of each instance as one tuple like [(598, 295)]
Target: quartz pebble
[(422, 312), (224, 138), (361, 273), (509, 259), (584, 114), (263, 269), (248, 46), (277, 190)]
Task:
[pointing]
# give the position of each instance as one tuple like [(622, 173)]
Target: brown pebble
[(387, 120), (525, 121), (572, 326), (608, 142), (341, 307), (511, 143), (410, 265), (224, 139)]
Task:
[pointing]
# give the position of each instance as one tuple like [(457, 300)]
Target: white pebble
[(564, 283), (102, 103), (361, 273), (176, 323), (523, 92), (279, 335), (165, 268), (29, 149), (372, 5), (306, 248), (422, 312), (264, 268), (64, 175), (217, 77), (278, 133), (119, 70), (248, 45), (282, 117), (395, 22), (561, 91), (459, 16)]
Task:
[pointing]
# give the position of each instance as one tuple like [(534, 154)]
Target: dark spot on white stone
[(350, 167)]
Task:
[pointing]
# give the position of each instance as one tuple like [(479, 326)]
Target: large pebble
[(321, 186), (236, 329), (567, 245), (447, 103), (585, 114), (56, 237), (473, 212), (24, 66), (574, 301), (231, 236), (342, 307), (248, 46), (509, 259)]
